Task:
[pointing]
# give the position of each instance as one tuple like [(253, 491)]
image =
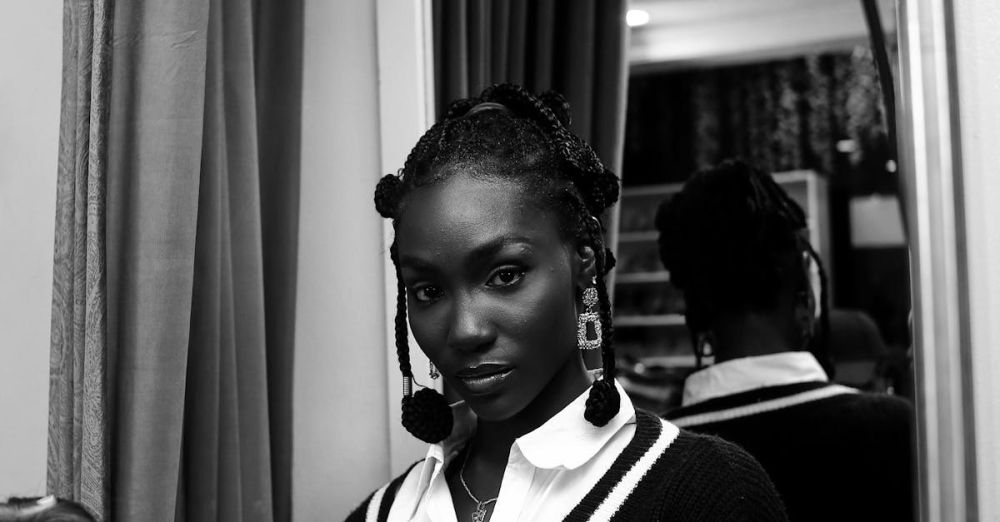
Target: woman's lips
[(485, 378)]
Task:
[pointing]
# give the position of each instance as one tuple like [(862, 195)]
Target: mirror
[(794, 89)]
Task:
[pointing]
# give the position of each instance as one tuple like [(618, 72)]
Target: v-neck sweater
[(659, 475)]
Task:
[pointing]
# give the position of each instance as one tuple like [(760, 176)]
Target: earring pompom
[(603, 403), (427, 416)]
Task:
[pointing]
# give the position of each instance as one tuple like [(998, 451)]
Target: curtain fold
[(576, 47), (201, 222), (78, 415)]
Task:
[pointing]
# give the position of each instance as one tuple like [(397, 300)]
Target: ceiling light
[(636, 17)]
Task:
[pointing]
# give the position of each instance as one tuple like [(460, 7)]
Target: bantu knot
[(603, 403), (387, 194), (427, 416)]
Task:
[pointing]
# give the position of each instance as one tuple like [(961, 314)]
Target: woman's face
[(491, 295)]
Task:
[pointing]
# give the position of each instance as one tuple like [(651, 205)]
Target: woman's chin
[(492, 408)]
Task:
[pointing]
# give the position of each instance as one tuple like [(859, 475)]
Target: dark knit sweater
[(697, 478), (841, 456)]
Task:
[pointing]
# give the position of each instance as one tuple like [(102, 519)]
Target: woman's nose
[(470, 327)]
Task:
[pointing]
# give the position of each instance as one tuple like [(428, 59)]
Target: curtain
[(78, 457), (780, 115), (202, 147), (576, 47)]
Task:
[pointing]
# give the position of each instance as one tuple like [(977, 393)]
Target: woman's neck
[(748, 336)]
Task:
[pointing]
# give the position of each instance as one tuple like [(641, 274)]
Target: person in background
[(43, 509), (500, 265), (736, 245)]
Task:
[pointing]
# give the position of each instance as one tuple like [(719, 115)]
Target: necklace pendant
[(479, 515)]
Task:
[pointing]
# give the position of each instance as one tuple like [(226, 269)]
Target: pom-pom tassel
[(427, 416), (603, 403)]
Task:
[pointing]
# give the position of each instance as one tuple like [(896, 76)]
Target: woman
[(737, 245), (500, 263)]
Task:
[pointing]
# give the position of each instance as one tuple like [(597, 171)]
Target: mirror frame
[(930, 158)]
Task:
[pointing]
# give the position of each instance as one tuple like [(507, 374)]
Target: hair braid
[(402, 334), (821, 346), (604, 401)]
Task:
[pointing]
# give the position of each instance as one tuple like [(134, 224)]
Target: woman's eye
[(426, 294), (506, 276)]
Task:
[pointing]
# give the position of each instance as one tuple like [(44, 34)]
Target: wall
[(686, 33), (341, 425), (31, 58), (340, 422)]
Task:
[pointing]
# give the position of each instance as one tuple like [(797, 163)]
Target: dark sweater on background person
[(697, 478), (833, 453)]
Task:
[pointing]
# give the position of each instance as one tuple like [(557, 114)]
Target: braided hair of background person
[(719, 209), (503, 125)]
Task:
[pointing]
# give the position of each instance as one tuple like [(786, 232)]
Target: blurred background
[(194, 298)]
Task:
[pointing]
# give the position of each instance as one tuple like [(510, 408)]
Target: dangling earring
[(432, 370), (587, 321), (703, 348)]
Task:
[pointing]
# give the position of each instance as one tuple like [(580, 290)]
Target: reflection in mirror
[(712, 336)]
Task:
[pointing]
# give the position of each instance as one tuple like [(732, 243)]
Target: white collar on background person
[(751, 373)]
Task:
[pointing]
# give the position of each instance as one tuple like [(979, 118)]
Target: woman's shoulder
[(376, 505), (666, 473), (714, 479)]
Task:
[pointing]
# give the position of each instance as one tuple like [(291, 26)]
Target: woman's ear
[(586, 266)]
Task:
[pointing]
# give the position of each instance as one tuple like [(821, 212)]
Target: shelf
[(649, 320), (637, 237), (669, 361), (652, 190), (661, 276)]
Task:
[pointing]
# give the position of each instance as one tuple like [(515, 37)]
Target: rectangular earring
[(586, 319)]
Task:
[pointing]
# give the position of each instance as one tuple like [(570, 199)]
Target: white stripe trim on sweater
[(764, 406), (621, 491), (376, 502)]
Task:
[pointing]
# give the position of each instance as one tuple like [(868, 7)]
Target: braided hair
[(509, 132), (732, 239)]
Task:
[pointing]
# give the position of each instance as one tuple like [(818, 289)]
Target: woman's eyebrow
[(478, 254), (492, 247)]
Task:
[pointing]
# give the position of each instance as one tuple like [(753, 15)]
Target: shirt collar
[(463, 427), (566, 440), (750, 373)]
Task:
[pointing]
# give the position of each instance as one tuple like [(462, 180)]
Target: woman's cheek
[(428, 334)]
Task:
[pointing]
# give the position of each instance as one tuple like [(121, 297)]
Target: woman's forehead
[(466, 210)]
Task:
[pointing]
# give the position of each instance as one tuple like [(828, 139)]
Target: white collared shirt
[(549, 470), (751, 373)]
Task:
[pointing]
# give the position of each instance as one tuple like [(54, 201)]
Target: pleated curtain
[(576, 47), (78, 445), (198, 222)]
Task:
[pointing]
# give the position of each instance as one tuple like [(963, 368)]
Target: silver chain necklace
[(479, 515)]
